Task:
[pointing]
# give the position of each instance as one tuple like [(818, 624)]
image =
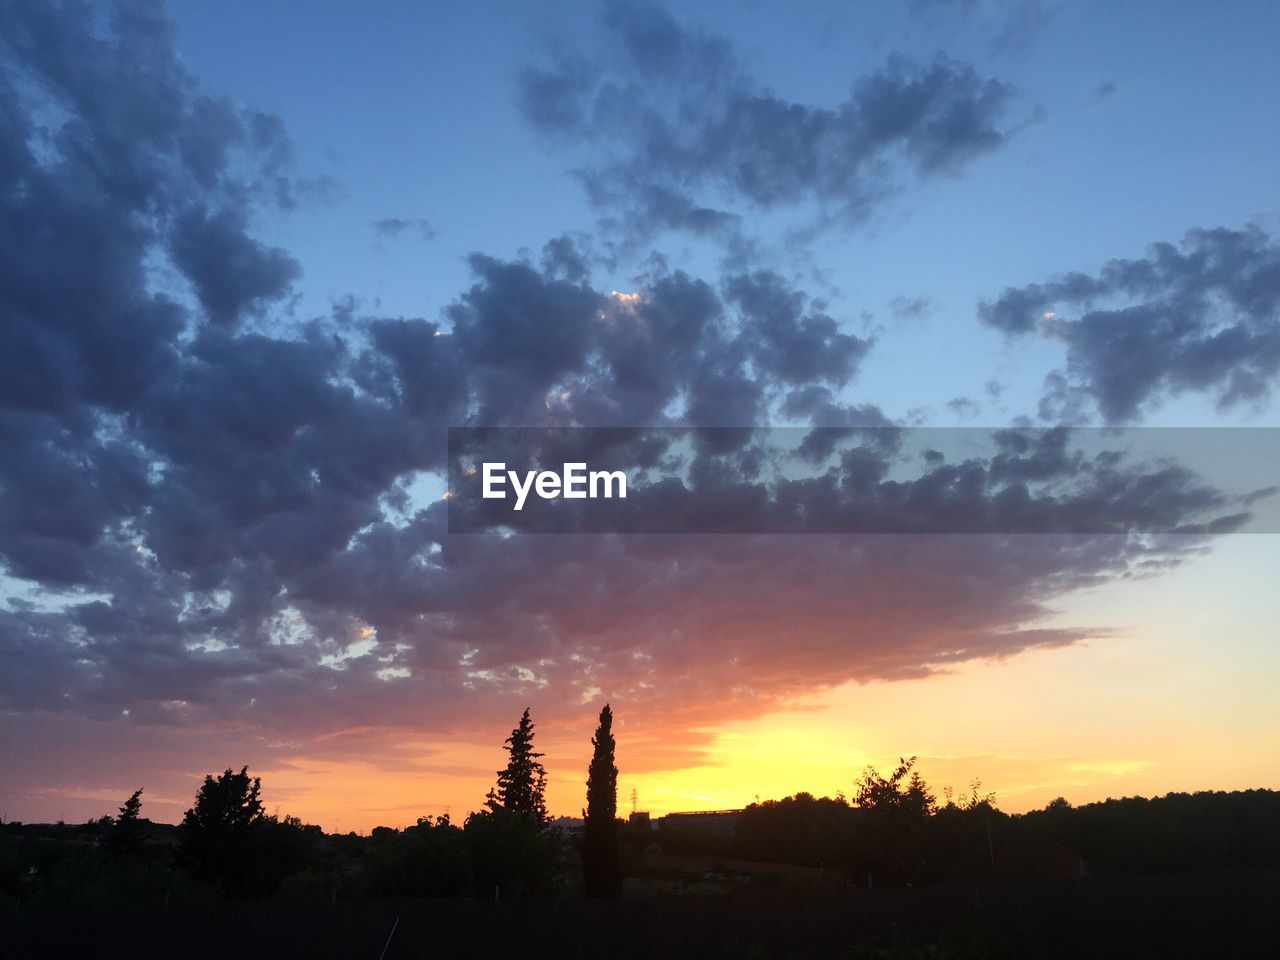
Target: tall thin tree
[(522, 785), (601, 874)]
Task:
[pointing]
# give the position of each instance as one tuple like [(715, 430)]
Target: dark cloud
[(225, 511), (689, 131), (1203, 316), (520, 333), (233, 274), (787, 344), (390, 228), (817, 405), (109, 150), (562, 259), (226, 518), (539, 347)]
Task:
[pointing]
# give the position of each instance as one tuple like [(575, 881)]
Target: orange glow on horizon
[(1149, 709), (947, 720)]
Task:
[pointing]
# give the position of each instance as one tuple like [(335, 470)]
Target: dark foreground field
[(1231, 914)]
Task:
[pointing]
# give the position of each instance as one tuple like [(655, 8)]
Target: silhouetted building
[(719, 823)]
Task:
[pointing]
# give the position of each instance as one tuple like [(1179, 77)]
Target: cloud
[(906, 309), (675, 134), (389, 228), (562, 259), (1199, 317), (785, 343), (221, 509), (537, 347), (111, 152), (232, 273)]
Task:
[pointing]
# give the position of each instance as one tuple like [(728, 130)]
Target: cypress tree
[(600, 871), (521, 786)]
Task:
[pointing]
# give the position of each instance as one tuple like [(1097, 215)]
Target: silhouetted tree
[(522, 785), (129, 812), (427, 860), (217, 832), (802, 829), (909, 795), (226, 805), (508, 843), (963, 838), (123, 838), (512, 853), (892, 838), (600, 871)]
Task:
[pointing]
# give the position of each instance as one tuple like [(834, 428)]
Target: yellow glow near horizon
[(1015, 727), (1179, 696)]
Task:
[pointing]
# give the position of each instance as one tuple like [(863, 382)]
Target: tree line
[(227, 845), (890, 831), (894, 831)]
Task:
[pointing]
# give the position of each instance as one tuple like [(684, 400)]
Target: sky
[(261, 258)]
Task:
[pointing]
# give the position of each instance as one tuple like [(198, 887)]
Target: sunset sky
[(260, 258)]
